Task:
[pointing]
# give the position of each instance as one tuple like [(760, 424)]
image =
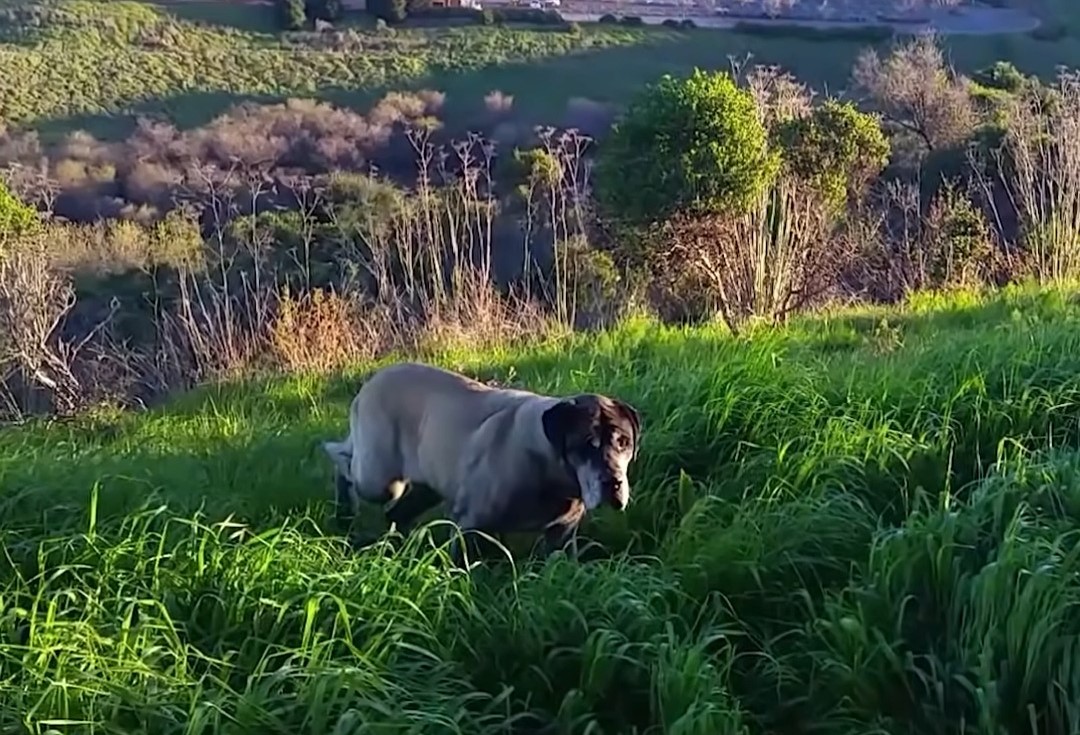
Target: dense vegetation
[(862, 522), (855, 521)]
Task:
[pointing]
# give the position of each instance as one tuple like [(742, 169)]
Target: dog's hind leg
[(344, 499)]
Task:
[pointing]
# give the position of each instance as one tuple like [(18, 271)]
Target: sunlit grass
[(864, 522)]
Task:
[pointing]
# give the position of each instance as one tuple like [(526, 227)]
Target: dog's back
[(413, 422)]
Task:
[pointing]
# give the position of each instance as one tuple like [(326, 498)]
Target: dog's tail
[(341, 454)]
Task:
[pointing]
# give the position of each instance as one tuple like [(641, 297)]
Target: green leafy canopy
[(694, 144), (835, 148)]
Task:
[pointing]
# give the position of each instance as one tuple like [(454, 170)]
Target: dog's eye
[(621, 442)]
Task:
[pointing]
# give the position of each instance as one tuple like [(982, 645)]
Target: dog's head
[(597, 437)]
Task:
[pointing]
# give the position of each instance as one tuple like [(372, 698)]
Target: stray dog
[(502, 460)]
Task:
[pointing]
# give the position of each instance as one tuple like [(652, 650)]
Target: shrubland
[(849, 324)]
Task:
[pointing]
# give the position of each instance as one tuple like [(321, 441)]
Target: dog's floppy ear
[(340, 454), (634, 418), (560, 421)]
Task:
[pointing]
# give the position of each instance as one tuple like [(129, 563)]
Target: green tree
[(836, 148), (293, 14), (694, 145), (16, 217)]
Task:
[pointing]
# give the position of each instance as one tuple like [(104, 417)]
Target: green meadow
[(97, 65), (864, 522)]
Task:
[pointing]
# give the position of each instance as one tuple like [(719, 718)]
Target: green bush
[(531, 16), (293, 14), (836, 147), (16, 218), (1000, 75), (691, 144)]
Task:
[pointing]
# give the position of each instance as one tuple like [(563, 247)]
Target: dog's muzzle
[(619, 495)]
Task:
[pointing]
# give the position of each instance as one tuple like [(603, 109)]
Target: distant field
[(860, 523), (90, 64)]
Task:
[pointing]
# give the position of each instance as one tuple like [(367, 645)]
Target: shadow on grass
[(253, 17), (541, 87)]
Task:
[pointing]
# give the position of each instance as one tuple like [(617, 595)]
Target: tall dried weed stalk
[(1039, 168)]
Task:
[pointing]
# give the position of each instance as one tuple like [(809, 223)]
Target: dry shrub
[(781, 256), (151, 182), (498, 103), (212, 330), (921, 96), (480, 318), (322, 331), (34, 300), (108, 247), (158, 162)]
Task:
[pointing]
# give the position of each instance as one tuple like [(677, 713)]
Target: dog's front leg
[(564, 528), (469, 520), (558, 534), (466, 543)]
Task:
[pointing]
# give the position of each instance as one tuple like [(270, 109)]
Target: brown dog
[(503, 460)]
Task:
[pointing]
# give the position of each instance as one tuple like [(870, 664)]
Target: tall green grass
[(864, 522)]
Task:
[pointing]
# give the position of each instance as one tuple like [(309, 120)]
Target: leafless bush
[(920, 95), (945, 244), (157, 161), (498, 103), (778, 94), (35, 298), (779, 257)]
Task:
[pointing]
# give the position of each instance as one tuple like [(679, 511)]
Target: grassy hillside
[(93, 64), (861, 523)]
